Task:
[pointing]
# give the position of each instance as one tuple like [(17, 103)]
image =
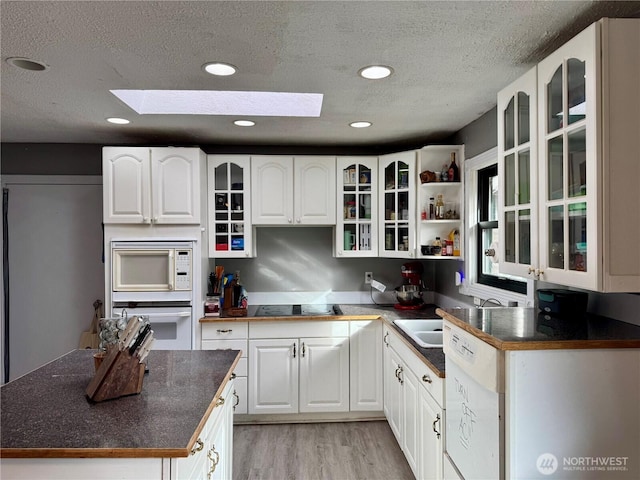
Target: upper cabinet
[(569, 163), (357, 207), (159, 185), (293, 191), (441, 200), (397, 205), (518, 176), (589, 159), (229, 203)]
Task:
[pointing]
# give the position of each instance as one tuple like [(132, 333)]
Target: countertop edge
[(537, 345), (305, 318)]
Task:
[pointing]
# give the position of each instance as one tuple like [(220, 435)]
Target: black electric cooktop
[(312, 310)]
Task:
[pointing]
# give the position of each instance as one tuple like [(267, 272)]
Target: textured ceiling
[(450, 59)]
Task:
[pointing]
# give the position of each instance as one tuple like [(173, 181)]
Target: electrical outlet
[(368, 276)]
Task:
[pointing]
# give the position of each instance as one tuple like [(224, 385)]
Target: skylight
[(208, 102)]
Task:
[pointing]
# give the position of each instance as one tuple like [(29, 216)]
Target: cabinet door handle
[(197, 447), (220, 402), (400, 375), (228, 330), (437, 420), (233, 375), (385, 339), (294, 350), (427, 379), (289, 220), (303, 350), (237, 400), (214, 462)]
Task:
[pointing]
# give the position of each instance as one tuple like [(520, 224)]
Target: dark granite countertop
[(515, 328), (46, 412)]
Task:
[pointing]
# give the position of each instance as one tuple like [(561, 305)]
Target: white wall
[(55, 265)]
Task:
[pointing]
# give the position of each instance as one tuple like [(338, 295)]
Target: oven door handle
[(162, 314)]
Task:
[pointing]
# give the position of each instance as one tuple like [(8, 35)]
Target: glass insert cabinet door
[(357, 207), (566, 90), (229, 203), (397, 204), (517, 174)]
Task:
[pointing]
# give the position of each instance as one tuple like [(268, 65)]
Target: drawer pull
[(197, 447), (226, 330), (220, 402), (427, 379)]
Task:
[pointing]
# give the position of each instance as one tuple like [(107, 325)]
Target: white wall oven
[(155, 279)]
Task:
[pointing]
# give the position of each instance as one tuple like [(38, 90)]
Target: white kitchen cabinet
[(397, 205), (433, 158), (299, 375), (293, 191), (589, 159), (518, 176), (231, 336), (357, 207), (159, 185), (413, 399), (229, 206), (273, 375), (431, 436), (366, 365), (212, 455)]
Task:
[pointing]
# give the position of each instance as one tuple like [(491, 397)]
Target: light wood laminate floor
[(310, 451)]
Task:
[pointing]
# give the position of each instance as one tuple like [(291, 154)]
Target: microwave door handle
[(153, 315), (172, 272)]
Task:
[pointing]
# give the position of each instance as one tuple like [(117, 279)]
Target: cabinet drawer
[(297, 329), (226, 345), (241, 368), (224, 330)]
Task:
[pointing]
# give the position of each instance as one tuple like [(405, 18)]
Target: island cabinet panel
[(81, 468)]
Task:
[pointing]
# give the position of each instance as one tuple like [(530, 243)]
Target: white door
[(366, 378), (324, 374), (315, 190), (393, 392), (272, 190), (431, 430), (410, 425), (175, 174), (126, 176), (273, 373)]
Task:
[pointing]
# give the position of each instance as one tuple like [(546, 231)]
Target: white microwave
[(148, 267)]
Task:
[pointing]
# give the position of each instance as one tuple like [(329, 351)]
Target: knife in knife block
[(119, 374)]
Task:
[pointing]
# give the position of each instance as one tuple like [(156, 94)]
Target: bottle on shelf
[(456, 243), (454, 172), (439, 215), (432, 208), (437, 243), (445, 173), (423, 213)]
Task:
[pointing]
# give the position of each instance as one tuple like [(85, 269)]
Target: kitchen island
[(51, 430)]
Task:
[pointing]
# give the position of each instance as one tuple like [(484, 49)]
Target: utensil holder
[(119, 374)]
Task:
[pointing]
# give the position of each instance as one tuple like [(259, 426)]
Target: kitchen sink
[(427, 333)]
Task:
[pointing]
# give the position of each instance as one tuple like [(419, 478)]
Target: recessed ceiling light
[(219, 68), (212, 102), (118, 121), (375, 72), (244, 123), (27, 64), (360, 124)]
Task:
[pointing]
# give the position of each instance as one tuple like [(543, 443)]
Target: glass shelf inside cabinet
[(356, 207), (229, 215)]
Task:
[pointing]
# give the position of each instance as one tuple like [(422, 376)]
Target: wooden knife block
[(119, 374)]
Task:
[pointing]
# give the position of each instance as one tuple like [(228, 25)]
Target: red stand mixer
[(409, 294)]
